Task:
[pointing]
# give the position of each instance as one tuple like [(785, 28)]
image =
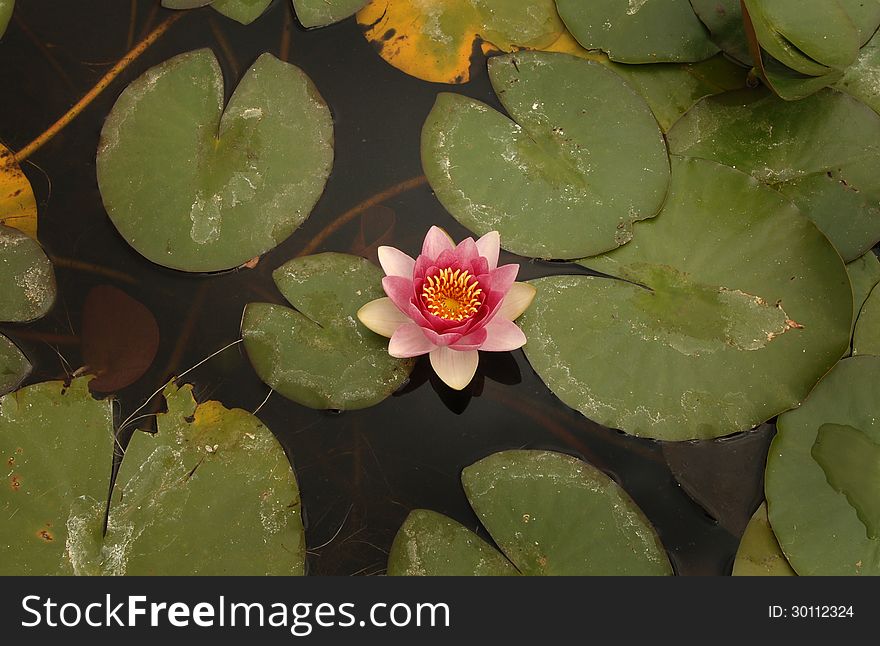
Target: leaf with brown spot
[(18, 207), (120, 338)]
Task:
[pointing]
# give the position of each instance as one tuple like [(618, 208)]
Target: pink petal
[(396, 263), (466, 252), (472, 341), (441, 339), (503, 335), (489, 246), (517, 301), (456, 369), (399, 290), (502, 278), (409, 341), (436, 242), (382, 316)]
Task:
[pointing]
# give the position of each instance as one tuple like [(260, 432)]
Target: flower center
[(452, 295)]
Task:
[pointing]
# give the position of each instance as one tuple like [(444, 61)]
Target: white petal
[(456, 369), (396, 263), (489, 246), (517, 301), (382, 316)]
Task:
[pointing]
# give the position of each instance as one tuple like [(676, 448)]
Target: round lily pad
[(212, 493), (6, 7), (319, 354), (197, 188), (18, 207), (56, 445), (319, 13), (434, 41), (639, 31), (864, 274), (724, 20), (549, 513), (580, 161), (759, 553), (27, 281), (821, 152), (669, 88), (823, 474), (14, 366), (866, 338), (730, 307)]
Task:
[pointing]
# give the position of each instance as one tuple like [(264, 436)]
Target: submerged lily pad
[(434, 41), (821, 152), (56, 443), (554, 183), (319, 354), (724, 20), (639, 31), (759, 553), (212, 493), (6, 7), (731, 306), (18, 207), (549, 513), (197, 188), (864, 274), (823, 474), (669, 88), (866, 338), (27, 281)]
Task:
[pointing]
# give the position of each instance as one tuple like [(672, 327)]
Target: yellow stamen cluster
[(452, 295)]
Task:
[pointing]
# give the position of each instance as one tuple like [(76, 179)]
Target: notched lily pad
[(212, 493), (319, 355), (820, 152), (823, 473), (759, 553), (639, 31), (434, 41), (195, 187), (549, 513), (18, 206), (581, 159), (56, 447), (730, 307)]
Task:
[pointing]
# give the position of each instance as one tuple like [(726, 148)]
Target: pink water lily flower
[(449, 303)]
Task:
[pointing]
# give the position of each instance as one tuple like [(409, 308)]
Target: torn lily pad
[(197, 188), (211, 493), (639, 31), (6, 7), (434, 41), (56, 445), (820, 152), (730, 307), (759, 553), (823, 474), (549, 513), (552, 182), (319, 354), (18, 206), (866, 337)]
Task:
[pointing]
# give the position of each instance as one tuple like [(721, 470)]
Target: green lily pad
[(724, 20), (759, 553), (319, 354), (243, 11), (319, 13), (823, 472), (864, 274), (731, 306), (862, 78), (56, 443), (197, 188), (27, 281), (639, 31), (185, 4), (549, 513), (553, 183), (14, 366), (866, 338), (212, 493), (6, 7), (821, 152)]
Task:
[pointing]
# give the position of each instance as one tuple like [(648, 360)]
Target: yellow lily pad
[(18, 207), (434, 41)]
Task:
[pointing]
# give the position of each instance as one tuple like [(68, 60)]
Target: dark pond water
[(360, 472)]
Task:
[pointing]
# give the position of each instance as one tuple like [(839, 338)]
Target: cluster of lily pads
[(725, 234)]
